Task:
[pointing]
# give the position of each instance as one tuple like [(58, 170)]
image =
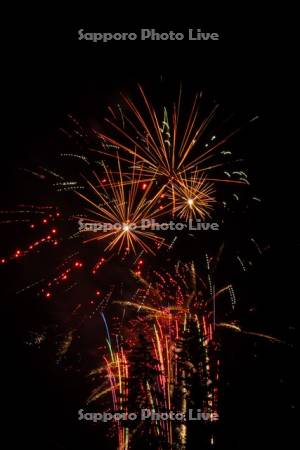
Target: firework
[(124, 207), (165, 152), (194, 197), (171, 354), (166, 359), (164, 355)]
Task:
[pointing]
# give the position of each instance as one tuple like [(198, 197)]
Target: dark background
[(49, 74)]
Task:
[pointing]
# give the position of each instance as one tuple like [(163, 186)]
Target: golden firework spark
[(192, 197), (124, 210)]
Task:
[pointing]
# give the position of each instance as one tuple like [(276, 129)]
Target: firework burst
[(126, 209), (194, 197), (171, 354), (164, 152), (165, 357)]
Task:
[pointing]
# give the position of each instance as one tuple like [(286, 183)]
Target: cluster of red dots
[(138, 270), (98, 265), (50, 238), (60, 278), (97, 293)]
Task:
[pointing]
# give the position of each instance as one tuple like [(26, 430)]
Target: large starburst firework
[(168, 152), (125, 209)]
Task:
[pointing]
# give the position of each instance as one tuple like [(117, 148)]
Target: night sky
[(50, 74)]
